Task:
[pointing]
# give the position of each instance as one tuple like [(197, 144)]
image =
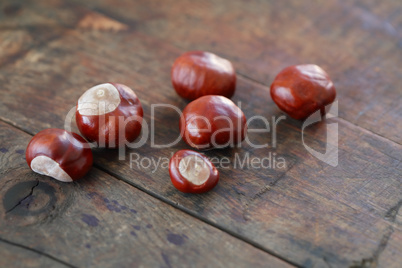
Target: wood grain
[(27, 24), (357, 42), (16, 256), (309, 213), (101, 221)]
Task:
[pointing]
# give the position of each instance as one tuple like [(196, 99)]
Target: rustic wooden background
[(309, 214)]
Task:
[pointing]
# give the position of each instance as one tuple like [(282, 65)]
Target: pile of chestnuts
[(211, 120)]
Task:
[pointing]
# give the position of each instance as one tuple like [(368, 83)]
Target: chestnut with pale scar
[(100, 99), (62, 155), (110, 115), (191, 172), (194, 169)]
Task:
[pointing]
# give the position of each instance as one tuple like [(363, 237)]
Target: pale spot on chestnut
[(47, 166), (62, 155), (194, 169), (110, 115), (112, 107), (192, 172), (99, 100), (100, 93)]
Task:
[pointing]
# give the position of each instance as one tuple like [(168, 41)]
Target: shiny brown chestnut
[(191, 172), (198, 73), (109, 114), (300, 90), (62, 155), (212, 122)]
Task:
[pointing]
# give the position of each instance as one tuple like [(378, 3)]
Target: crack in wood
[(24, 198), (326, 261), (373, 260), (192, 213), (259, 194), (392, 212), (269, 186), (262, 191), (196, 216), (38, 252)]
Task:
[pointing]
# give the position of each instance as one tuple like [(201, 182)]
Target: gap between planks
[(38, 252), (164, 200)]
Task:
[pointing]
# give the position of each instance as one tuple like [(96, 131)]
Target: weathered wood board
[(15, 256), (358, 42), (101, 221), (307, 213)]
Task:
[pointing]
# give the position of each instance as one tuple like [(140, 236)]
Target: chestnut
[(60, 154), (300, 90), (198, 73), (191, 172), (109, 114), (212, 122)]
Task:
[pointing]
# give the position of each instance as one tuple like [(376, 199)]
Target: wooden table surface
[(307, 213)]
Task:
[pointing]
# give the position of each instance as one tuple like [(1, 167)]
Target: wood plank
[(15, 256), (26, 24), (358, 43), (309, 212), (101, 221)]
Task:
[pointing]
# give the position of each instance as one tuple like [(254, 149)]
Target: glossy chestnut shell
[(212, 122), (110, 116), (63, 155), (300, 90), (191, 172), (198, 73)]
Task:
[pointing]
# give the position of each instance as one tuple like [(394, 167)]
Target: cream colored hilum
[(46, 166), (194, 169), (98, 100)]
